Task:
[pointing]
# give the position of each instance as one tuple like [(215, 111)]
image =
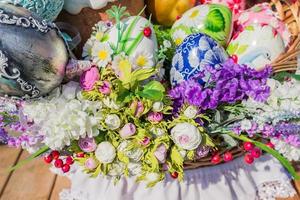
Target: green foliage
[(215, 21), (154, 91)]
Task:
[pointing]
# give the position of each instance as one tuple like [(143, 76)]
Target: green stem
[(30, 158), (274, 153), (129, 30)]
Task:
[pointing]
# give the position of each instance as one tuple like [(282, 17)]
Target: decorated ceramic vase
[(75, 6), (33, 56), (214, 20), (256, 46), (195, 53), (46, 9), (165, 12), (134, 29), (263, 14)]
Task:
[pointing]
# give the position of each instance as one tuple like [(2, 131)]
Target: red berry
[(256, 152), (178, 17), (55, 154), (227, 157), (58, 163), (248, 159), (66, 168), (80, 155), (216, 159), (147, 32), (248, 146), (48, 159), (69, 160), (235, 58), (270, 145), (174, 175)]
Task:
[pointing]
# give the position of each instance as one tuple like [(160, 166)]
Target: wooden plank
[(9, 157), (32, 181), (60, 184)]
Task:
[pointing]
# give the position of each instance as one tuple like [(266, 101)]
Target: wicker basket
[(290, 14)]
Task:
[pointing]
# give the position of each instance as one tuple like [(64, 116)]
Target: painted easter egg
[(263, 14), (135, 29), (214, 20), (75, 6), (195, 53), (33, 56), (236, 6), (165, 12), (256, 46), (45, 9)]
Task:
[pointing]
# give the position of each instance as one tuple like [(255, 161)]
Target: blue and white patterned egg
[(195, 53)]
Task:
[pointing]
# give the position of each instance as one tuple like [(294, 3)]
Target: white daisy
[(194, 16), (178, 36), (101, 54), (87, 48), (119, 62), (142, 60)]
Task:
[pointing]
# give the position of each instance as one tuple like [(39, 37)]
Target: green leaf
[(142, 74), (215, 21), (288, 166), (229, 140), (130, 28), (154, 91), (282, 75), (231, 49), (30, 158), (249, 28), (242, 49), (152, 95), (155, 85), (206, 140)]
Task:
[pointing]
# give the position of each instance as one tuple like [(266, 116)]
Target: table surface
[(34, 181)]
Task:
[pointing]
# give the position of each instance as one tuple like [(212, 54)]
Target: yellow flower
[(101, 54), (142, 60)]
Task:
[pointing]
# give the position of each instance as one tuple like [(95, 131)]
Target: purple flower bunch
[(286, 131), (226, 85), (289, 132)]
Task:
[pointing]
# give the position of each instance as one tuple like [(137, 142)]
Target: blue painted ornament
[(45, 9), (195, 53)]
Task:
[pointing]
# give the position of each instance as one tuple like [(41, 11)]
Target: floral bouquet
[(124, 119)]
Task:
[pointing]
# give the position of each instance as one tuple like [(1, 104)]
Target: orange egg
[(166, 12)]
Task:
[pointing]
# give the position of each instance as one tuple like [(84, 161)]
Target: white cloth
[(266, 179)]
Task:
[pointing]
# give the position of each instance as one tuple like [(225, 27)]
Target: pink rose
[(145, 141), (87, 144), (161, 153), (128, 130), (89, 78), (105, 88), (138, 108), (155, 117), (90, 164)]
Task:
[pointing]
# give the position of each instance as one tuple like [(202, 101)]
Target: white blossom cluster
[(288, 151), (283, 103), (64, 117)]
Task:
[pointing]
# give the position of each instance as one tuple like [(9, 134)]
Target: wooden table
[(34, 181)]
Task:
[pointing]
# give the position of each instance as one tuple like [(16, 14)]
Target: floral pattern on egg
[(256, 46), (262, 14), (195, 53), (214, 20)]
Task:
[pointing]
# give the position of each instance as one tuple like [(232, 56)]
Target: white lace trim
[(275, 189), (68, 194)]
